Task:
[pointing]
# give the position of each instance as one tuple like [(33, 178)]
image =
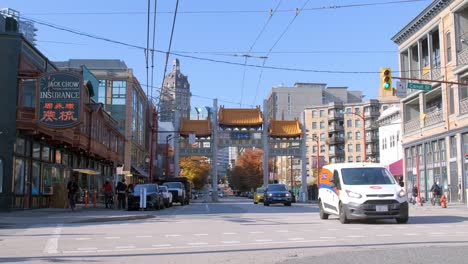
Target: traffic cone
[(443, 201)]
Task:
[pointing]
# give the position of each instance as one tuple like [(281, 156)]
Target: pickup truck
[(179, 195)]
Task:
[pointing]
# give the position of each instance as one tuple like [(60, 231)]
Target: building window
[(350, 158), (358, 159), (451, 100), (385, 107), (448, 44), (102, 91), (314, 125), (322, 113), (314, 113), (453, 147), (349, 123), (322, 125), (357, 110), (28, 93), (357, 123), (350, 135), (392, 141), (18, 174), (118, 92), (322, 137), (348, 110), (314, 149), (322, 148), (350, 147), (358, 147), (358, 135)]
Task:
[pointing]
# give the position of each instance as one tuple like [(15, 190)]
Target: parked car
[(277, 193), (178, 192), (258, 195), (167, 196), (154, 198)]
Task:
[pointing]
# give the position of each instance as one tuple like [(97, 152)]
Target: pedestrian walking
[(72, 188), (130, 191), (121, 194)]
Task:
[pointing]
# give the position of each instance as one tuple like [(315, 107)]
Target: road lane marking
[(437, 233), (354, 236), (200, 234), (86, 249), (229, 233), (82, 238), (175, 235), (256, 232), (51, 246), (197, 243), (112, 237), (162, 245), (383, 235), (125, 247), (263, 240), (410, 234), (327, 237), (295, 238), (143, 236), (355, 228), (282, 231), (332, 229), (230, 242)]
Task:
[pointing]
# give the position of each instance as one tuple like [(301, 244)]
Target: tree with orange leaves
[(248, 172), (196, 171)]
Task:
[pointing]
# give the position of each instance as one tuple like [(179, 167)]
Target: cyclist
[(108, 195), (436, 193)]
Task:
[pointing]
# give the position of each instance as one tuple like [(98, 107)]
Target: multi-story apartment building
[(175, 95), (123, 98), (26, 28), (345, 132), (433, 46)]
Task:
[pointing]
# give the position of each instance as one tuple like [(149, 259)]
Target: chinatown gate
[(239, 127)]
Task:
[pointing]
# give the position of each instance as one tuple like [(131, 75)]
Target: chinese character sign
[(59, 100)]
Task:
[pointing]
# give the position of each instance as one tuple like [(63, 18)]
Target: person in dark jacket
[(72, 188), (121, 194)]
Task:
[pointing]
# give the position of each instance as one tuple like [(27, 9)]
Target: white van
[(360, 191)]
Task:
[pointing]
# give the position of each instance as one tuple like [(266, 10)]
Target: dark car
[(277, 193), (154, 198)]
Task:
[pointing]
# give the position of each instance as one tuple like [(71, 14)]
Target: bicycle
[(109, 200), (435, 199)]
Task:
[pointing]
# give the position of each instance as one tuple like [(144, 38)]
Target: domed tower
[(175, 95)]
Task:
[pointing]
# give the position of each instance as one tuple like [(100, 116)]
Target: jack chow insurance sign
[(59, 100)]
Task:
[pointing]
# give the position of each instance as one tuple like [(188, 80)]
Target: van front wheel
[(322, 213), (343, 218)]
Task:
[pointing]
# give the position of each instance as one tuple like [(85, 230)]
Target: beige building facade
[(434, 47)]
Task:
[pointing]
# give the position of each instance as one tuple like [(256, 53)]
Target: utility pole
[(153, 141)]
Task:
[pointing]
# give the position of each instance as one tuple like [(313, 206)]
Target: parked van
[(361, 191)]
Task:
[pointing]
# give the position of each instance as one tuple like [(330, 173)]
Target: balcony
[(335, 116), (372, 138), (371, 151), (411, 126), (335, 140), (335, 128), (464, 106), (462, 56), (371, 114), (335, 152), (434, 117)]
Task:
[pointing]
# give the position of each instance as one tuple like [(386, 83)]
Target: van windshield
[(366, 176)]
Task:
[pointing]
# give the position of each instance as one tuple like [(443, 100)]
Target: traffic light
[(386, 75)]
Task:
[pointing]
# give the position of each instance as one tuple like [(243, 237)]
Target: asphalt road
[(237, 231)]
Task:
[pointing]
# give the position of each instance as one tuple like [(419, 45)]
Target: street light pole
[(168, 137), (153, 140), (291, 173)]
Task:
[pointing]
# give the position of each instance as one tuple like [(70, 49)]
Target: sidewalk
[(54, 216)]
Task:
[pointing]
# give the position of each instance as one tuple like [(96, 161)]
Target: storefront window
[(45, 153), (20, 146), (35, 178), (36, 151), (28, 95), (46, 180), (18, 172), (58, 156), (65, 158), (1, 175)]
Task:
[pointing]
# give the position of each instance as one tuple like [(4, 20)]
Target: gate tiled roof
[(284, 128), (240, 116), (201, 128)]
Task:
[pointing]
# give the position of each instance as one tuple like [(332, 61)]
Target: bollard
[(85, 198), (94, 199)]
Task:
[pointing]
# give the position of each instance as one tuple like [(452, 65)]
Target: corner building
[(433, 46)]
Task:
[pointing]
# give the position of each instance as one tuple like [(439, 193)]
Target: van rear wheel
[(322, 213), (343, 217)]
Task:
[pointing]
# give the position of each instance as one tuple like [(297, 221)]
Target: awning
[(396, 168), (87, 171), (139, 171)]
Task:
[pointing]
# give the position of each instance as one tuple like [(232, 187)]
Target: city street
[(236, 231)]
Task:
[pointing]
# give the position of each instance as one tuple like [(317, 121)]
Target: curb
[(115, 218)]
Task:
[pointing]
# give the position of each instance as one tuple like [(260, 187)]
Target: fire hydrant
[(443, 201)]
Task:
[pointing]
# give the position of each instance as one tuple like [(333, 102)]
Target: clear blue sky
[(354, 39)]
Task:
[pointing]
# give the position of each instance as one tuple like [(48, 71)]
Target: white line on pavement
[(143, 236), (410, 234), (162, 245), (197, 243), (256, 232), (51, 246), (88, 248), (82, 238), (263, 240), (296, 238), (112, 237), (229, 233), (437, 234), (124, 247), (329, 237), (173, 235), (383, 235), (354, 236), (230, 242), (200, 234), (282, 231)]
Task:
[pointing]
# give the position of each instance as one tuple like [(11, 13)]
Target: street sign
[(420, 86), (401, 89)]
